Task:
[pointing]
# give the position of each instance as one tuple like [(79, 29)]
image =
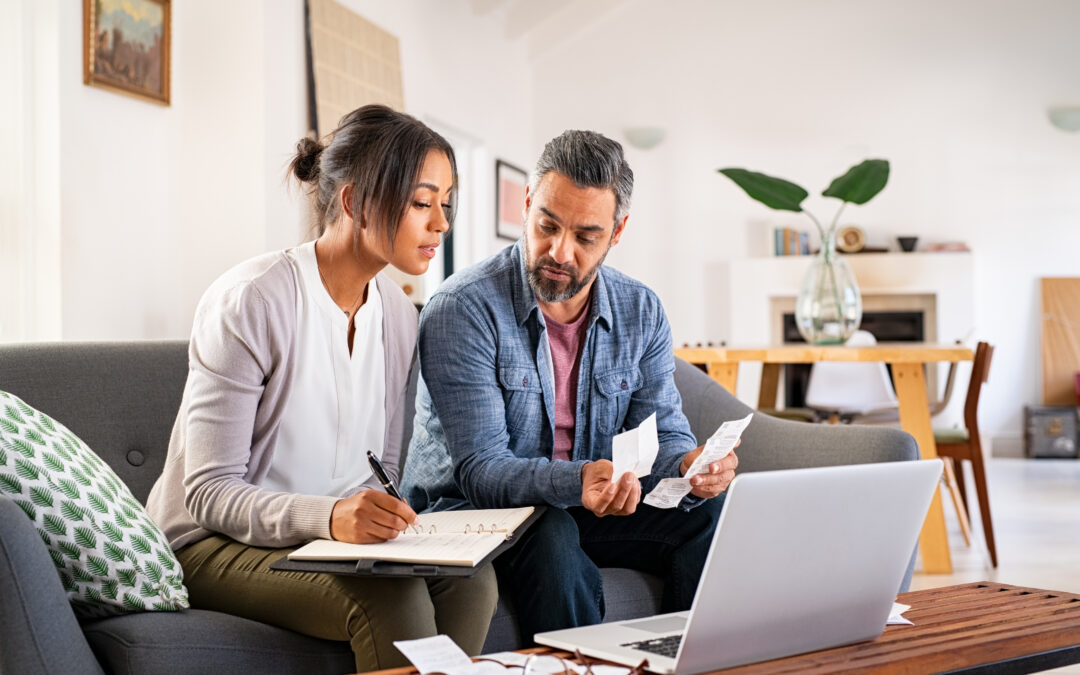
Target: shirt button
[(623, 385), (525, 381)]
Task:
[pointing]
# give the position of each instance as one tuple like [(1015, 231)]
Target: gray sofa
[(121, 398)]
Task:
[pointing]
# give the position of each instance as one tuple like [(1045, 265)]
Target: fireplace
[(885, 326)]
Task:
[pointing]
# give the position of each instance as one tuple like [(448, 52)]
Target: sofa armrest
[(38, 631), (771, 443)]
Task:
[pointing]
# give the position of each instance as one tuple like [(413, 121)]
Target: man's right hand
[(605, 497), (369, 517)]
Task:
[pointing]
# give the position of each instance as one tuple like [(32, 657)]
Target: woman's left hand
[(369, 517)]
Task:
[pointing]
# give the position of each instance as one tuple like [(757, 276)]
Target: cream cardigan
[(240, 374)]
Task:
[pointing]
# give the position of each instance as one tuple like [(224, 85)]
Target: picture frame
[(510, 182), (127, 45)]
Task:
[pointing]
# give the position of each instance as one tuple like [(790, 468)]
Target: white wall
[(157, 201), (953, 94)]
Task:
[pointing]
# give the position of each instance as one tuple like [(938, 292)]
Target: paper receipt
[(669, 491)]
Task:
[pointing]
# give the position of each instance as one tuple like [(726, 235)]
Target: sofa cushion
[(110, 555), (198, 641)]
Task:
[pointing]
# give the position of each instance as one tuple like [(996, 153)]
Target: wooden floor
[(1035, 505)]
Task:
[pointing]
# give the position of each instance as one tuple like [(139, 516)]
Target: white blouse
[(336, 411)]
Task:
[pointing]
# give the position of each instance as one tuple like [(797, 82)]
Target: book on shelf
[(788, 241), (457, 538)]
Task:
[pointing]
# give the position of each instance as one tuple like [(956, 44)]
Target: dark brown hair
[(380, 152)]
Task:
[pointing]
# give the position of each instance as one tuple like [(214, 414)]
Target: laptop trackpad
[(660, 624)]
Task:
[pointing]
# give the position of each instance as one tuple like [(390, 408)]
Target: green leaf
[(150, 533), (46, 422), (112, 531), (14, 415), (109, 588), (134, 603), (53, 462), (122, 521), (126, 577), (26, 470), (60, 450), (166, 560), (165, 607), (861, 182), (115, 553), (81, 575), (140, 544), (92, 595), (8, 426), (10, 484), (57, 559), (45, 537), (3, 454), (147, 590), (26, 409), (85, 537), (98, 566), (70, 550), (68, 582), (23, 447), (41, 496), (97, 503), (129, 512), (80, 477), (34, 436), (54, 524), (27, 508), (106, 490), (72, 511), (776, 193), (68, 487), (153, 571)]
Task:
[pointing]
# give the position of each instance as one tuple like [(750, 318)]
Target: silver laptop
[(802, 560)]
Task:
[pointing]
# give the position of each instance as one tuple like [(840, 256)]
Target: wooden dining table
[(907, 360)]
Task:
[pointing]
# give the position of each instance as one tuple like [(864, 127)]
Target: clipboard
[(382, 568)]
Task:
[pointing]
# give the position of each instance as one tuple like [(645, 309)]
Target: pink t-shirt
[(566, 341)]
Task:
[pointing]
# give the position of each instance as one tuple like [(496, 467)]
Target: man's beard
[(549, 290)]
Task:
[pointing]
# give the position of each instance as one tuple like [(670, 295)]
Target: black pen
[(384, 478)]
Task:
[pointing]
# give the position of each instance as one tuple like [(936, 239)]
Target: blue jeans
[(552, 572)]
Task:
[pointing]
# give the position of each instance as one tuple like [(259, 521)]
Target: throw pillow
[(110, 555)]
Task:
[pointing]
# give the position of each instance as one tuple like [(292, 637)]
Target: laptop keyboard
[(665, 646)]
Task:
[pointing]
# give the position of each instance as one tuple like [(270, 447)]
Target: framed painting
[(126, 46), (510, 184)]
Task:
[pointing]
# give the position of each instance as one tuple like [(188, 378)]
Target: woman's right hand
[(369, 517)]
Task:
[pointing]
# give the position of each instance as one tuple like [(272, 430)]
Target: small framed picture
[(126, 47), (510, 184)]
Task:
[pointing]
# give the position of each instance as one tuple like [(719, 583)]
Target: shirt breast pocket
[(522, 397), (615, 387)]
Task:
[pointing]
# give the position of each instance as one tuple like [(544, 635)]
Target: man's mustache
[(550, 262)]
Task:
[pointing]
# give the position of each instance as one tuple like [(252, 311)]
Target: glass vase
[(829, 306)]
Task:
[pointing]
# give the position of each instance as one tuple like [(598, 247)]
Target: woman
[(299, 362)]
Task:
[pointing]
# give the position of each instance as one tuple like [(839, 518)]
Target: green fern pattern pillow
[(110, 555)]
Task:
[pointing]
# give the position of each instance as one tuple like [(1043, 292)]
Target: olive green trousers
[(370, 613)]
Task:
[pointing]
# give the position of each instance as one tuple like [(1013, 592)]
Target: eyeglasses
[(550, 664)]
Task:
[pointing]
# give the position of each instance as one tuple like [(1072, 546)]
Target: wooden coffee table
[(981, 627)]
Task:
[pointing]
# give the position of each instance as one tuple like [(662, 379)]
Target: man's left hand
[(717, 476)]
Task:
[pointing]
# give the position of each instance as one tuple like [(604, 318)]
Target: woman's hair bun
[(305, 166)]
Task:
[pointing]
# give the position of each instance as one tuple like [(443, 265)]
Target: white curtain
[(30, 171)]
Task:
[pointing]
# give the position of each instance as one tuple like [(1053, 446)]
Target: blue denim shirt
[(485, 408)]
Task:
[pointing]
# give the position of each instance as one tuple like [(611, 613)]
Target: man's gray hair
[(591, 160)]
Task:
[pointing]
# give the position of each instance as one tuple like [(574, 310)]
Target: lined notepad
[(444, 538)]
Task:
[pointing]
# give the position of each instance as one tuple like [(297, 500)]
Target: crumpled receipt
[(670, 491)]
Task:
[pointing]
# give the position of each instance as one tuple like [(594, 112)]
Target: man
[(531, 361)]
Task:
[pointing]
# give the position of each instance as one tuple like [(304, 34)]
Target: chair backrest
[(851, 387), (980, 373)]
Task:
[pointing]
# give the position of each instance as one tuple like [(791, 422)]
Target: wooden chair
[(963, 444)]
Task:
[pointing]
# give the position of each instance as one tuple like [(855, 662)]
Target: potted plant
[(829, 306)]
